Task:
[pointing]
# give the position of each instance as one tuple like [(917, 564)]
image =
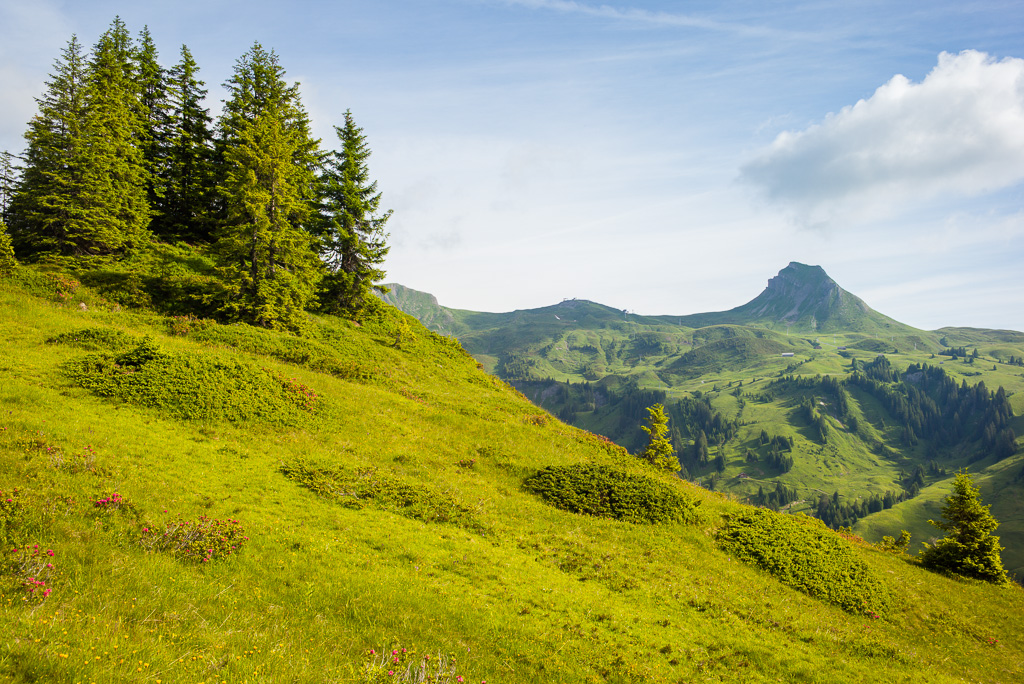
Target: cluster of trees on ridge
[(123, 154)]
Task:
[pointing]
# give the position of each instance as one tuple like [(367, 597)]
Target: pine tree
[(700, 449), (45, 208), (116, 133), (659, 452), (352, 236), (84, 188), (968, 549), (153, 107), (267, 187), (186, 202)]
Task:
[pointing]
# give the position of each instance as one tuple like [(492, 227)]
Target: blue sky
[(666, 158)]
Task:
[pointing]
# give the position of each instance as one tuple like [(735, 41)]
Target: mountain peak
[(805, 296)]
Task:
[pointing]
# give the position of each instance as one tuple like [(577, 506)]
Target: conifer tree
[(352, 237), (153, 106), (659, 452), (268, 187), (968, 549), (45, 210), (116, 133), (700, 449), (84, 188), (185, 204)]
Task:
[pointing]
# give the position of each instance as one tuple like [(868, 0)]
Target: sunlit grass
[(537, 594)]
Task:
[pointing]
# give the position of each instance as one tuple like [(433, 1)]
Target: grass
[(533, 594)]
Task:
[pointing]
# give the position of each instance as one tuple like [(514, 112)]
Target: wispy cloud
[(957, 133), (642, 16)]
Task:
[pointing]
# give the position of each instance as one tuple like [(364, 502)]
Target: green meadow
[(366, 504)]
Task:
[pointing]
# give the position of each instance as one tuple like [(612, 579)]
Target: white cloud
[(958, 133)]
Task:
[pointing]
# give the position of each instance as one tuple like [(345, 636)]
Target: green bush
[(192, 386), (291, 349), (96, 339), (8, 263), (357, 488), (608, 492), (801, 552), (125, 288)]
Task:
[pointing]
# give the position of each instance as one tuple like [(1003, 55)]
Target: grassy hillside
[(227, 504), (599, 368)]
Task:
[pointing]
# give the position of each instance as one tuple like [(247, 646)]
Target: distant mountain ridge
[(800, 299)]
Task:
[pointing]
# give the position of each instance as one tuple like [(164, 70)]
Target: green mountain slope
[(225, 503), (599, 369)]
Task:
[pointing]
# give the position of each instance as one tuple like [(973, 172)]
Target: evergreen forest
[(131, 184)]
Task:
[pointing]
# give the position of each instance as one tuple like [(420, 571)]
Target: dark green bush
[(608, 492), (801, 552), (125, 288), (359, 488), (96, 339), (193, 386), (317, 356)]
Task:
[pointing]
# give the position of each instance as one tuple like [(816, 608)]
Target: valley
[(754, 366)]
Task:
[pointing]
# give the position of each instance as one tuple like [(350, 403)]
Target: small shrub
[(895, 545), (96, 339), (53, 286), (608, 492), (84, 462), (194, 386), (11, 518), (183, 325), (8, 263), (359, 488), (404, 665), (801, 552), (29, 566), (125, 288), (198, 541), (114, 503)]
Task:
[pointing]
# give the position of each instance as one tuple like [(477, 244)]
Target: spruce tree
[(45, 208), (84, 187), (185, 204), (115, 132), (659, 451), (968, 549), (267, 187), (153, 107), (352, 237)]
